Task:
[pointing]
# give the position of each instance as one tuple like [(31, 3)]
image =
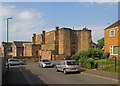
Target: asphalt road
[(33, 74)]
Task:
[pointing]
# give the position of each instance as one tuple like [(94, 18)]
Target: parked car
[(14, 62), (45, 63), (67, 66), (66, 58)]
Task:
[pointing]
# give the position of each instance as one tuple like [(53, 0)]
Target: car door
[(58, 65), (62, 65)]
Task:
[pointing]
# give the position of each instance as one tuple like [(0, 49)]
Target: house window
[(111, 49), (114, 50), (112, 33)]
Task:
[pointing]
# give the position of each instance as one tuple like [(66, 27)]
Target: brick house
[(112, 39), (31, 50), (18, 48), (6, 49), (62, 42)]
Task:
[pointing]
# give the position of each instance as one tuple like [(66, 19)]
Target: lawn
[(102, 62), (112, 69)]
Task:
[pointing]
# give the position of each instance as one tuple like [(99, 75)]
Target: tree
[(100, 43), (85, 29)]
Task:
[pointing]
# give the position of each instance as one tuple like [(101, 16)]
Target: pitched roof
[(20, 43), (116, 24)]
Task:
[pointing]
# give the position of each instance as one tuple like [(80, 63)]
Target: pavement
[(102, 74)]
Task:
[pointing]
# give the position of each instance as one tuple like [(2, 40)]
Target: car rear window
[(71, 63)]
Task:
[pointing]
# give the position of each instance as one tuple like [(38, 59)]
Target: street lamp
[(7, 27)]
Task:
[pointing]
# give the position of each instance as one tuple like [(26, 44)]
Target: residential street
[(33, 74)]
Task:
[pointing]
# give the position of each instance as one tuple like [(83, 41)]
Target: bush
[(95, 53), (90, 63), (75, 57), (106, 55), (79, 55), (82, 62)]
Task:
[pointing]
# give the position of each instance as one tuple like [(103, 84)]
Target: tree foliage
[(100, 43)]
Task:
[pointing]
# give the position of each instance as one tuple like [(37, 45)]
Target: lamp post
[(7, 43), (7, 27)]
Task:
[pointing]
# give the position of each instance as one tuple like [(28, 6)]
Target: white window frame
[(111, 49), (112, 35)]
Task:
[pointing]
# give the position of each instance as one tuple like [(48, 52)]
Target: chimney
[(34, 38), (43, 37)]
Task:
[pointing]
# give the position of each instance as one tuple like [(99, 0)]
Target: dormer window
[(112, 33)]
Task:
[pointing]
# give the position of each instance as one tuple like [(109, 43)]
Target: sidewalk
[(102, 74)]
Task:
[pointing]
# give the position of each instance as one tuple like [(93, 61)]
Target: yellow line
[(100, 76)]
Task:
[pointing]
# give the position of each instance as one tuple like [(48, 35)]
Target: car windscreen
[(45, 61), (71, 63), (14, 60)]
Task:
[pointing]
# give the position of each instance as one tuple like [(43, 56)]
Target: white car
[(45, 63), (14, 62)]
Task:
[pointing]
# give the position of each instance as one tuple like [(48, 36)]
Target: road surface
[(33, 74)]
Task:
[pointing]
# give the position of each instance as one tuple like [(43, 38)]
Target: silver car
[(67, 66), (14, 62), (45, 63)]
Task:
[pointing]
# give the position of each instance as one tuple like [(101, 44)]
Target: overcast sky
[(33, 17)]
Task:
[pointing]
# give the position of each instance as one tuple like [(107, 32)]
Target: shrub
[(106, 55), (95, 53), (79, 55), (75, 57), (82, 62), (90, 63)]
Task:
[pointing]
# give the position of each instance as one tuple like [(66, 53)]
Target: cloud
[(7, 10), (61, 0), (23, 24), (26, 15)]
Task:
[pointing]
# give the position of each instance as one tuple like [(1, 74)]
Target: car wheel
[(64, 71), (56, 69), (42, 66)]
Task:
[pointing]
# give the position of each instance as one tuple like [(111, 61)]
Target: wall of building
[(111, 40), (86, 40), (35, 49), (37, 39), (60, 42), (48, 47), (66, 42), (14, 50), (46, 54), (63, 41), (50, 37), (27, 49)]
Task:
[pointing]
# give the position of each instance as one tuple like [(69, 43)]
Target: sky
[(34, 17)]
